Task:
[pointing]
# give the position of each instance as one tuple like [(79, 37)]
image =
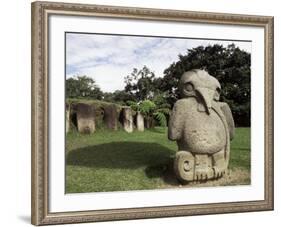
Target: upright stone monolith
[(127, 119), (140, 122), (85, 118), (111, 116)]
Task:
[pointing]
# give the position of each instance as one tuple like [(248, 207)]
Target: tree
[(163, 108), (118, 96), (151, 110), (230, 65), (140, 83), (82, 87)]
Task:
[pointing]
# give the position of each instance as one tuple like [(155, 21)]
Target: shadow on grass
[(122, 155), (156, 159)]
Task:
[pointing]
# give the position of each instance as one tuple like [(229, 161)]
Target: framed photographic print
[(145, 113)]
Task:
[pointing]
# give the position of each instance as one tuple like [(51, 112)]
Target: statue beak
[(207, 96)]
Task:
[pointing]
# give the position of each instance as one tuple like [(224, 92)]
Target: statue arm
[(229, 119), (176, 122)]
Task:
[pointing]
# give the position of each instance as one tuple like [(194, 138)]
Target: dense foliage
[(82, 87), (141, 84), (150, 109), (230, 65)]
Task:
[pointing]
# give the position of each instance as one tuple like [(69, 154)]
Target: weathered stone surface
[(67, 117), (184, 165), (85, 118), (127, 119), (229, 119), (111, 116), (202, 127), (140, 122)]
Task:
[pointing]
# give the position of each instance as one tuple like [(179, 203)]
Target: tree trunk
[(85, 118), (127, 120), (140, 122), (111, 116)]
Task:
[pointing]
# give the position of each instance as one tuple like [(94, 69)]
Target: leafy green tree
[(163, 108), (150, 110), (140, 84), (82, 87), (161, 115), (146, 107), (230, 65), (108, 96), (122, 96)]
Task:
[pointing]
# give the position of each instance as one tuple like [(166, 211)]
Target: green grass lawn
[(118, 161)]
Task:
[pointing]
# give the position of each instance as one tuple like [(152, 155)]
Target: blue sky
[(109, 58)]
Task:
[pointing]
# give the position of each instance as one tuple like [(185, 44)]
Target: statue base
[(200, 167)]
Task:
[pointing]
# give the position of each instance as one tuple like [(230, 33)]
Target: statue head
[(199, 84)]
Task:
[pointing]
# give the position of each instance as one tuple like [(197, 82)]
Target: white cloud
[(108, 59)]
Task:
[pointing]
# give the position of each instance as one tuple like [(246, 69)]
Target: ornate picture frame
[(41, 12)]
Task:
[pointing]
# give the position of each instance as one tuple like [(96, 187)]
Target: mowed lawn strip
[(121, 161)]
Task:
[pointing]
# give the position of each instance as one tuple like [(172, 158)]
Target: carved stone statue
[(202, 126)]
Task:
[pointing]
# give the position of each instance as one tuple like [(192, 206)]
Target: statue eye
[(217, 94), (218, 90), (189, 86)]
